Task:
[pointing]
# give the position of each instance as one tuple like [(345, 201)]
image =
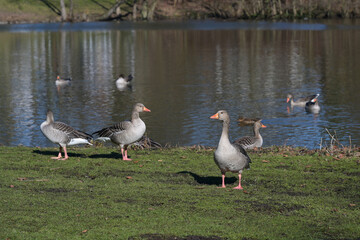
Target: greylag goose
[(301, 102), (251, 142), (228, 156), (60, 81), (126, 132), (313, 106), (62, 134), (123, 81), (244, 121)]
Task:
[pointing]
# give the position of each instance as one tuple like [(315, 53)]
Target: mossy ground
[(172, 194)]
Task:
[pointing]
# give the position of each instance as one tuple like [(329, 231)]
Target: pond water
[(184, 72)]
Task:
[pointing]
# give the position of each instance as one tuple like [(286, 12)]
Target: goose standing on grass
[(62, 134), (123, 81), (228, 156), (301, 102), (251, 142), (313, 106), (59, 81), (126, 132)]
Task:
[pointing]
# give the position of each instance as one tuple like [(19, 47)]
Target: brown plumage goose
[(251, 142), (228, 156), (244, 121), (62, 134), (301, 101), (126, 132)]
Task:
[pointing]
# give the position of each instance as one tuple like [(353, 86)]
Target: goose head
[(221, 115), (49, 116), (139, 107), (289, 97), (259, 125)]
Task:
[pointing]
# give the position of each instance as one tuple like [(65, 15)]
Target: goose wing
[(70, 131), (244, 141), (117, 128), (243, 152)]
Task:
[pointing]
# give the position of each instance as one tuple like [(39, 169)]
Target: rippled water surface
[(184, 72)]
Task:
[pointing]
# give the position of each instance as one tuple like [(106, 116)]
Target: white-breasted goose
[(313, 106), (229, 157), (126, 132), (62, 134), (123, 81), (62, 81), (251, 142), (301, 102)]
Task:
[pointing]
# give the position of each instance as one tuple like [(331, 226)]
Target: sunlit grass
[(37, 6), (166, 193)]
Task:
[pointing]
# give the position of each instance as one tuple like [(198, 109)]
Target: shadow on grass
[(55, 153), (114, 155), (209, 180)]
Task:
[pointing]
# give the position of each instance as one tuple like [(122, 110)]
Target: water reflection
[(183, 73)]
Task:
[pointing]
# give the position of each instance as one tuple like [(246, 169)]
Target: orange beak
[(287, 100), (215, 116), (263, 126), (146, 109), (315, 99)]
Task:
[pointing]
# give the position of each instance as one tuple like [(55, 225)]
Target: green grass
[(40, 8), (168, 193)]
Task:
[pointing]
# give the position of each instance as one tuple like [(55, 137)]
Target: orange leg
[(59, 155), (239, 186), (65, 154), (222, 181), (124, 154)]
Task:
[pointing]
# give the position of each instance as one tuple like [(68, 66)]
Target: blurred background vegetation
[(12, 11)]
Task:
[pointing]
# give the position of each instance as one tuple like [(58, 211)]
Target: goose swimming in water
[(301, 102), (313, 106), (60, 81), (123, 81)]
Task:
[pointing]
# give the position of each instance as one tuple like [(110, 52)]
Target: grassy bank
[(167, 193), (14, 11)]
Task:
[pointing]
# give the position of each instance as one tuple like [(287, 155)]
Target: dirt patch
[(353, 174), (55, 190), (293, 194), (156, 236)]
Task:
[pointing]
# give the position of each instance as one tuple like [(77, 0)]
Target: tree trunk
[(71, 10), (112, 10), (134, 16), (152, 10), (63, 11)]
